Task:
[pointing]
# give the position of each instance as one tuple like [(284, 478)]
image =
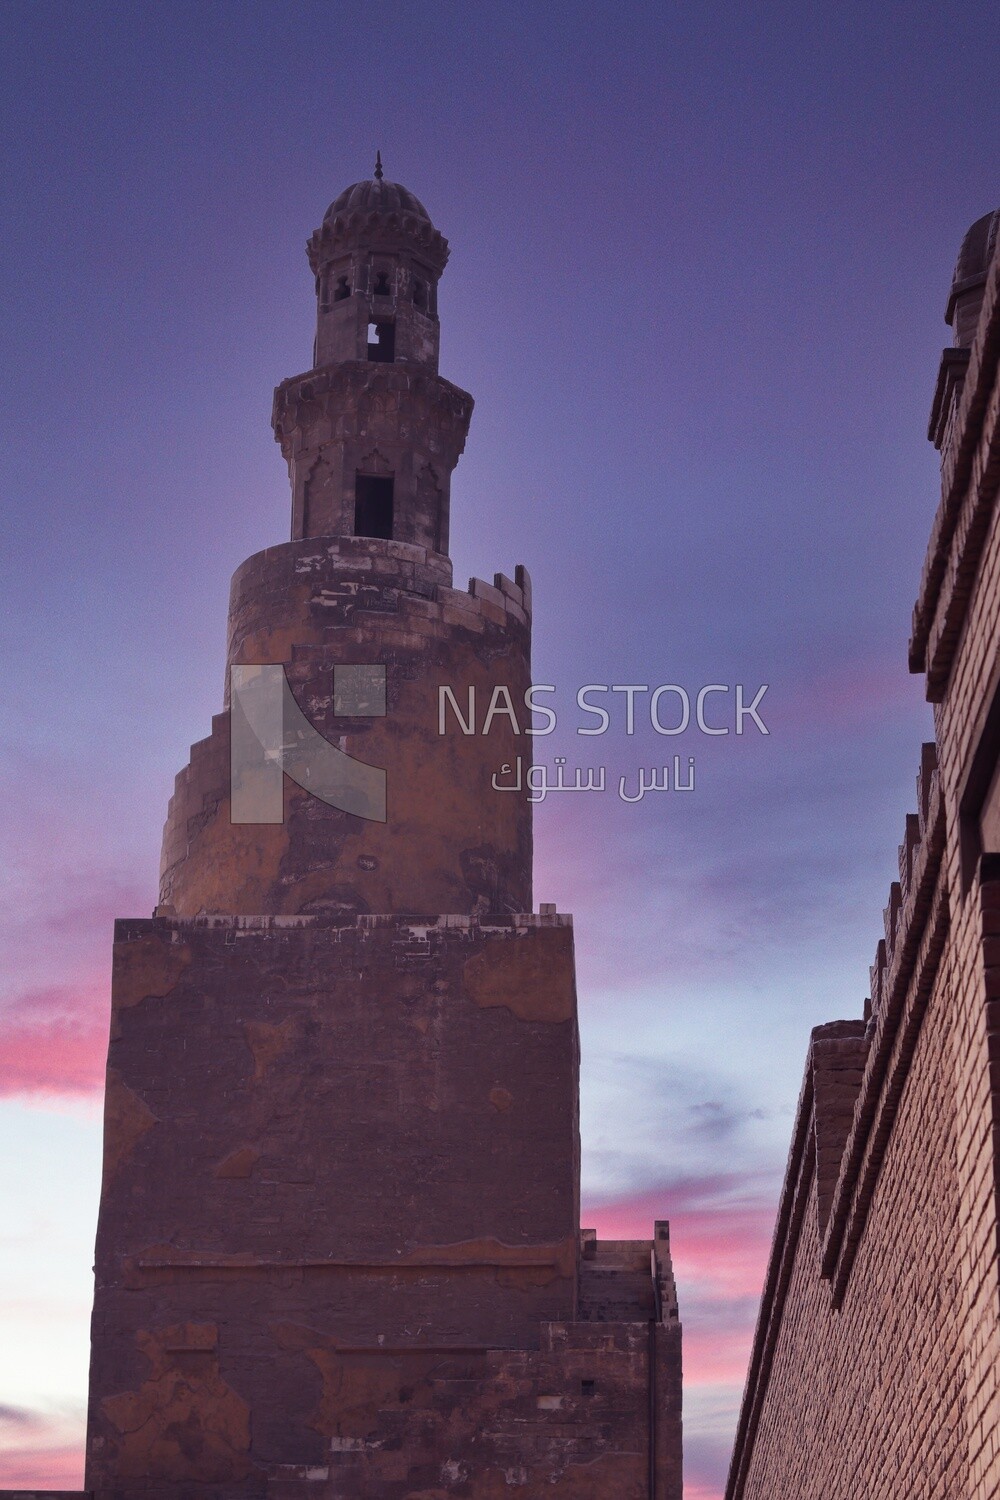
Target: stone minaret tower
[(371, 436), (374, 456), (339, 1251)]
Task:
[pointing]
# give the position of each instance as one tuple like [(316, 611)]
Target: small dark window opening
[(373, 505), (420, 295), (382, 287), (588, 1387), (341, 290), (382, 342)]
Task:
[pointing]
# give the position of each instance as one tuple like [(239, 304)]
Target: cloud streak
[(53, 1041), (53, 1467), (63, 885), (41, 1449)]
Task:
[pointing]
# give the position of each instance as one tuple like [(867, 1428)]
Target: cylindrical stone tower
[(371, 436)]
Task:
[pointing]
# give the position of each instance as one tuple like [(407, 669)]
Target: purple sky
[(700, 260)]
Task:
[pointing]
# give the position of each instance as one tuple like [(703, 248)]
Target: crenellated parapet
[(875, 1359), (854, 1077), (910, 898), (451, 842), (386, 586), (916, 922), (964, 426)]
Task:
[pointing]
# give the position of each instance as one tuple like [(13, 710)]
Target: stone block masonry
[(300, 1121)]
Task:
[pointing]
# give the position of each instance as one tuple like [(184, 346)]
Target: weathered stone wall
[(451, 843), (344, 419), (322, 1138), (43, 1495), (570, 1420), (338, 1250)]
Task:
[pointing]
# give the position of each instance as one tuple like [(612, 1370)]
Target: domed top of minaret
[(971, 270), (376, 214), (376, 194)]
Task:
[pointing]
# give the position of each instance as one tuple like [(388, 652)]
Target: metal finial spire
[(378, 166)]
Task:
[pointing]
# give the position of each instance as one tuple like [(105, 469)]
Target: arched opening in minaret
[(382, 287), (420, 295), (373, 505), (382, 342), (342, 289)]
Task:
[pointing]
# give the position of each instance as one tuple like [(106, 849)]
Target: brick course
[(875, 1370)]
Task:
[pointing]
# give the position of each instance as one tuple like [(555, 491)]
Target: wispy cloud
[(63, 883), (851, 696), (19, 1418), (53, 1039), (41, 1449), (58, 1467)]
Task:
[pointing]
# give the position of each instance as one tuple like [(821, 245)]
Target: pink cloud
[(91, 914), (720, 1239), (65, 878), (41, 1450), (65, 885), (50, 1468), (724, 1250), (716, 1358), (720, 1249), (854, 695), (63, 917), (54, 1040)]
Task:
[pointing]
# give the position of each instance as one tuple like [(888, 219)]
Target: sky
[(700, 260)]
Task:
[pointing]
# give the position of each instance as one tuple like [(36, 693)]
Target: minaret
[(370, 451), (371, 436), (339, 1250)]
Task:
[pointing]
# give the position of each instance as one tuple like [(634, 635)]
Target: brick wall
[(876, 1364), (857, 1399)]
